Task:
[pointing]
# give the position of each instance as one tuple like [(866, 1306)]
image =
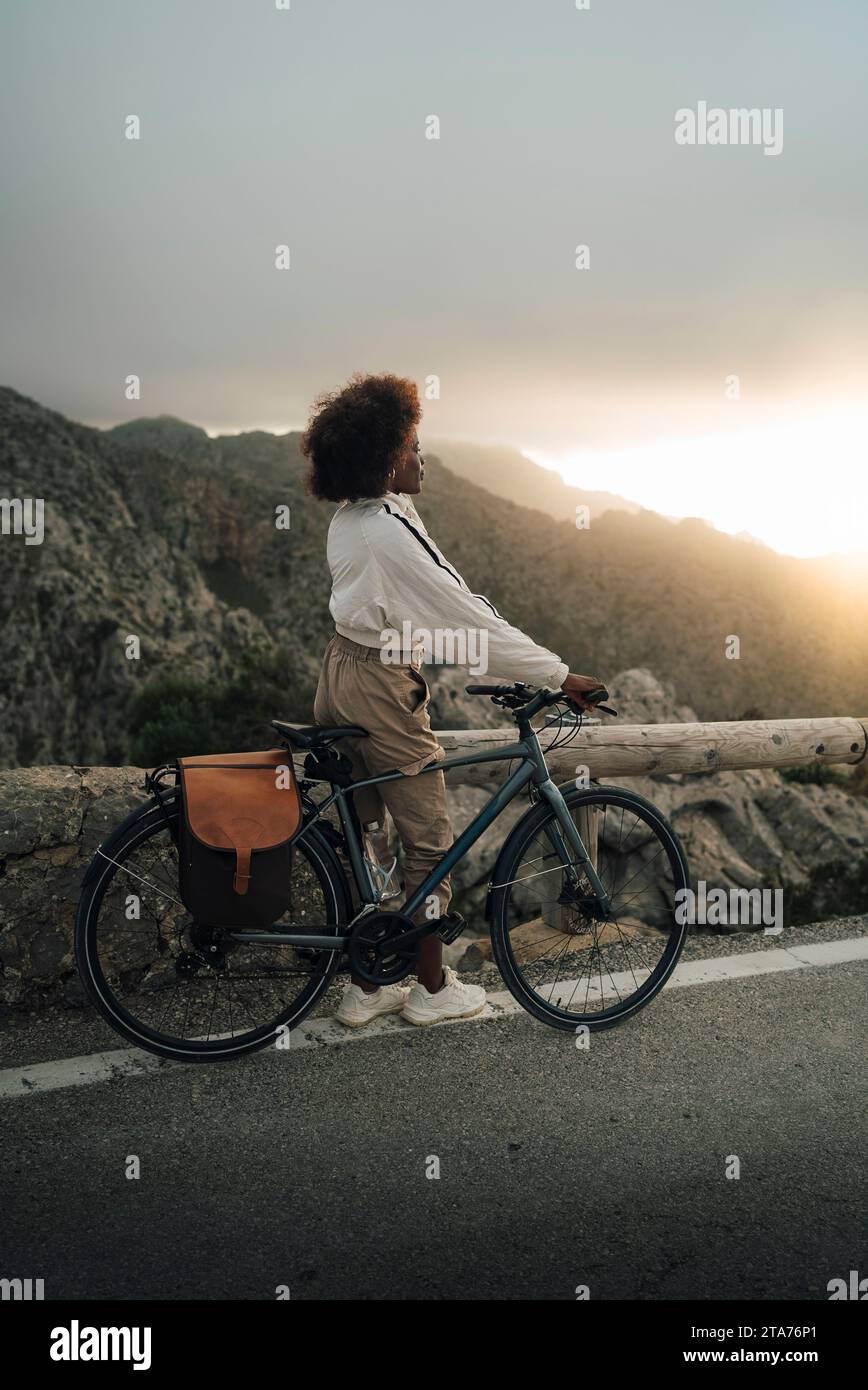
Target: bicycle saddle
[(312, 735)]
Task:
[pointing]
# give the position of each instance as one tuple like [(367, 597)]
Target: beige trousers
[(391, 702)]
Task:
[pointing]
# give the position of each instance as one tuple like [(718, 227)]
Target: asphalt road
[(557, 1167)]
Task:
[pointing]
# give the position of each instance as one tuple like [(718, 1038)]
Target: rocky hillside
[(155, 531)]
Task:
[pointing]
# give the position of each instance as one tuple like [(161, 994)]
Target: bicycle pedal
[(451, 927)]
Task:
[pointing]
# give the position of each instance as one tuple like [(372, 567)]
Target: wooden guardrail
[(636, 750), (639, 749)]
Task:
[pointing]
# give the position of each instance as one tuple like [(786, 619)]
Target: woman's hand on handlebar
[(575, 687)]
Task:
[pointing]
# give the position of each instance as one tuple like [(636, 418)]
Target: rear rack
[(154, 779)]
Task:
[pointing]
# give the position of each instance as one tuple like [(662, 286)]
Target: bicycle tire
[(135, 831), (521, 836)]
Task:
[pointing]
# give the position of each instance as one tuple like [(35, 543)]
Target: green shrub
[(175, 717), (835, 889), (172, 718), (857, 783), (816, 774)]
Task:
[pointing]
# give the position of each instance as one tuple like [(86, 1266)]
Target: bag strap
[(241, 881)]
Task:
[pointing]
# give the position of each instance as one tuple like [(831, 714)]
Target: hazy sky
[(456, 256)]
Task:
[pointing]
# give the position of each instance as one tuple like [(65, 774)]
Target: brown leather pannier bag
[(238, 813)]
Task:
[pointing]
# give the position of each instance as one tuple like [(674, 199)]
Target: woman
[(387, 572)]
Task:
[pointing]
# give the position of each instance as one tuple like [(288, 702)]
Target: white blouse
[(389, 577)]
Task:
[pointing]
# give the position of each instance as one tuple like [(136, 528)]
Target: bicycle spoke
[(583, 958), (187, 984)]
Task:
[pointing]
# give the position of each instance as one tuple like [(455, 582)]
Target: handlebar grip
[(595, 698)]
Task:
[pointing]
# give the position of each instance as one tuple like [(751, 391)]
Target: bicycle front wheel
[(180, 988), (564, 960)]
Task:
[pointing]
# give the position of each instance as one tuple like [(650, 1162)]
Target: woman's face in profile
[(411, 469)]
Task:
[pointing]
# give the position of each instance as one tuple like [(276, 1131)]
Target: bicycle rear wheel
[(564, 961), (187, 991)]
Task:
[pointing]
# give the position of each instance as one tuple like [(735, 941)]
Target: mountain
[(166, 433), (507, 473), (748, 538), (155, 531)]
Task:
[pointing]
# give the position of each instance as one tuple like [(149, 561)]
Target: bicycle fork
[(565, 823)]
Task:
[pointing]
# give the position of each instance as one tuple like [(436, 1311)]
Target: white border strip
[(324, 1032)]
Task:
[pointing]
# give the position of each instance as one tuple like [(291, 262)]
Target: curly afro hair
[(356, 435)]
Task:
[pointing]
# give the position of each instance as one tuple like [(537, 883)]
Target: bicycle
[(184, 989)]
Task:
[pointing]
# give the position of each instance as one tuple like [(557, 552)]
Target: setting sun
[(798, 487)]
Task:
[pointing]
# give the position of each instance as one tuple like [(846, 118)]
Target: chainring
[(372, 952)]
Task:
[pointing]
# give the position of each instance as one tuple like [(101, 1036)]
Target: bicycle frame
[(532, 768)]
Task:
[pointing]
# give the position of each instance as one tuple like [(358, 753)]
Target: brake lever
[(606, 709)]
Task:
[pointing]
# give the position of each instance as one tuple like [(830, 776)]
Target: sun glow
[(802, 488)]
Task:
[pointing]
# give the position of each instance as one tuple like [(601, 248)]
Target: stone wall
[(51, 821)]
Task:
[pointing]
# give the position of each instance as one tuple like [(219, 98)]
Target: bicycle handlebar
[(521, 696), (495, 689)]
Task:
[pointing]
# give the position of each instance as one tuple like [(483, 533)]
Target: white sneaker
[(358, 1008), (454, 1000)]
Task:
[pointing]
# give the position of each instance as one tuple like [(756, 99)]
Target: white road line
[(78, 1071), (325, 1032)]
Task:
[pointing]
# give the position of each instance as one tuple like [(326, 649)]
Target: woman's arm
[(417, 590)]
